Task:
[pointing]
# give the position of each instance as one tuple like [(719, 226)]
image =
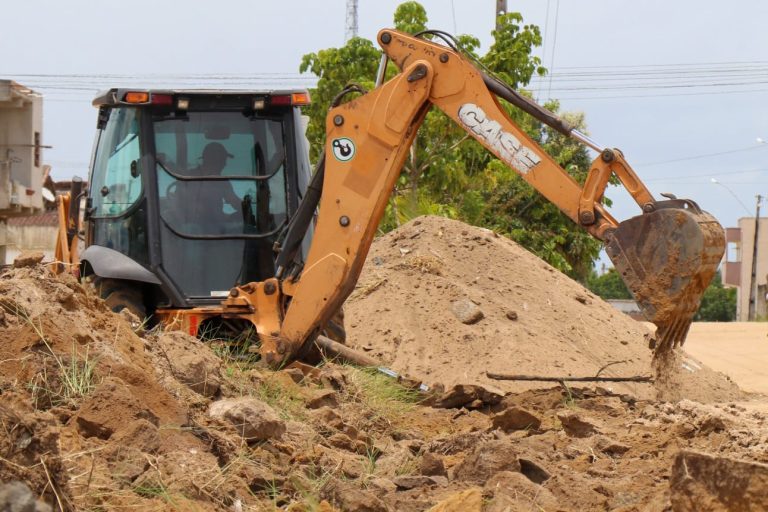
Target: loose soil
[(536, 321), (96, 414)]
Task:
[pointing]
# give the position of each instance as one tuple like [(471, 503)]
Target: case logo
[(343, 149), (504, 144)]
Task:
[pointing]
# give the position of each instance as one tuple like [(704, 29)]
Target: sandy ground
[(738, 349), (445, 303)]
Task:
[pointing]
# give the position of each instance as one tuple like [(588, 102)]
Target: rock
[(17, 497), (253, 419), (582, 298), (28, 259), (470, 500), (192, 362), (348, 497), (465, 394), (712, 423), (125, 463), (466, 311), (110, 408), (516, 418), (327, 417), (610, 446), (432, 465), (511, 315), (331, 377), (703, 482), (296, 374), (134, 321), (141, 434), (381, 485), (486, 460), (342, 442), (186, 473), (414, 481), (511, 491), (260, 478), (576, 425), (323, 398)]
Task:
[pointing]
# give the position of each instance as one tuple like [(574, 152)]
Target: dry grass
[(423, 263)]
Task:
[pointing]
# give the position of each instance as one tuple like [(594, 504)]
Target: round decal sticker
[(343, 149)]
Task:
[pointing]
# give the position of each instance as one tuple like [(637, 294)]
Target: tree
[(355, 62), (609, 285), (718, 303)]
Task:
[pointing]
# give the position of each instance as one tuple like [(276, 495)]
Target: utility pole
[(753, 276), (351, 25), (501, 8)]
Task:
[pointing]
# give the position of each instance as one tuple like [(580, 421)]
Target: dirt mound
[(446, 302)]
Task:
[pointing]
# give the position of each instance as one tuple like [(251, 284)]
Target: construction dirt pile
[(445, 302), (98, 414)]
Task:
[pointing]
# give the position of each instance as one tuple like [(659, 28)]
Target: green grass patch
[(383, 396)]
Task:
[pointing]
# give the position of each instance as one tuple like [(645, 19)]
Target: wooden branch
[(334, 349), (607, 365), (437, 152), (635, 378)]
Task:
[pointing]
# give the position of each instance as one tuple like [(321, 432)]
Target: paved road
[(738, 349)]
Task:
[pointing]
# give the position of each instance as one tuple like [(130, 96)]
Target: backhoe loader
[(201, 206)]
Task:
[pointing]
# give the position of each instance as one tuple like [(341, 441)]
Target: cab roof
[(115, 96)]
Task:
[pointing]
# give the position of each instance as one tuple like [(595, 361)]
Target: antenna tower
[(351, 26), (501, 8)]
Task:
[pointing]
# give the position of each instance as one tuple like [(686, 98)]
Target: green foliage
[(510, 56), (410, 17), (355, 62), (718, 303), (449, 173), (610, 285)]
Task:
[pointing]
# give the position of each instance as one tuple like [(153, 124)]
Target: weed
[(232, 346), (74, 376), (311, 485), (568, 400), (372, 454), (409, 467), (383, 396), (288, 403), (153, 490)]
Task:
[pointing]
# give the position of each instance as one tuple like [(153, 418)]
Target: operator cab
[(190, 189)]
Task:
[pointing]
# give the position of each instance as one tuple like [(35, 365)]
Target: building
[(737, 270), (37, 232), (21, 168), (629, 307)]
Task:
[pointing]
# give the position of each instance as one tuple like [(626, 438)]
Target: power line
[(554, 47), (709, 174), (705, 155)]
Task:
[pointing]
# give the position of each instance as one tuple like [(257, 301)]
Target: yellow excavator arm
[(667, 255)]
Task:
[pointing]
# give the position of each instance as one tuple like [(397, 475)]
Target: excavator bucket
[(667, 259)]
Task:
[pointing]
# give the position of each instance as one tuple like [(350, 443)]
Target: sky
[(680, 87)]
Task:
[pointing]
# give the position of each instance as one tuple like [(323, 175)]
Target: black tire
[(119, 295), (334, 329)]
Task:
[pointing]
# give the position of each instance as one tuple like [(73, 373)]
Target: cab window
[(116, 178)]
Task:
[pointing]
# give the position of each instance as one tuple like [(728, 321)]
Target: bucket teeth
[(671, 336)]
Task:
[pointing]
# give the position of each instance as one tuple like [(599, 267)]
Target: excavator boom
[(667, 255)]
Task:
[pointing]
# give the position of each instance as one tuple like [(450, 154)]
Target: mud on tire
[(119, 294), (334, 329)]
